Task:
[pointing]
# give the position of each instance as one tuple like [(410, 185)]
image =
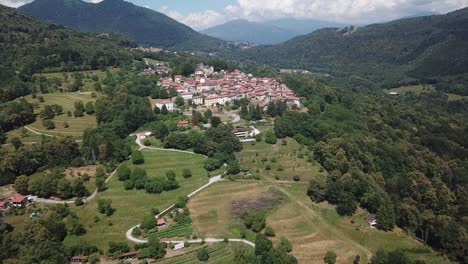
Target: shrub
[(137, 157), (136, 231), (269, 232), (48, 124), (296, 178), (330, 257), (186, 173), (129, 185), (203, 255), (149, 222), (123, 173), (79, 202)]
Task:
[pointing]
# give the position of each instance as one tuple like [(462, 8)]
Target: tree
[(269, 232), (346, 205), (156, 110), (79, 190), (89, 108), (22, 185), (357, 259), (2, 137), (137, 157), (101, 184), (271, 109), (179, 101), (202, 254), (233, 167), (123, 173), (64, 189), (195, 120), (270, 137), (186, 173), (48, 124), (285, 245), (244, 112), (164, 110), (154, 250), (79, 109), (47, 113), (386, 216), (262, 244), (215, 121), (105, 206), (160, 131), (149, 222), (330, 257)]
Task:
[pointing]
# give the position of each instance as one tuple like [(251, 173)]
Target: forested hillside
[(144, 25), (422, 49), (403, 158), (29, 46)]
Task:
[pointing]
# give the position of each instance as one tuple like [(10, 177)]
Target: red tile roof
[(160, 221), (18, 199)]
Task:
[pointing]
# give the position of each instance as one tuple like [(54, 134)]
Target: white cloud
[(346, 11), (14, 3), (18, 3)]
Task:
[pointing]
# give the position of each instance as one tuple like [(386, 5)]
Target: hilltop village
[(209, 88)]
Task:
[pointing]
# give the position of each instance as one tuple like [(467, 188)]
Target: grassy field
[(221, 253), (76, 124), (312, 228), (67, 78), (285, 161), (418, 89), (132, 206)]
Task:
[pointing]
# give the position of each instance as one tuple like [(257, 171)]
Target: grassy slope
[(76, 124), (132, 206), (286, 157), (312, 228), (418, 89)]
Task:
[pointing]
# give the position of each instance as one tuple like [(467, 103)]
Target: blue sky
[(201, 14)]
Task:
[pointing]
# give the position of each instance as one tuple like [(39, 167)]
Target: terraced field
[(220, 253), (180, 230)]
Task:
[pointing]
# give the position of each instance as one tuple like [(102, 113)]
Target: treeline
[(405, 159), (30, 46)]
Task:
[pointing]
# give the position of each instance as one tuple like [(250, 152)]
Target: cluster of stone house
[(209, 88)]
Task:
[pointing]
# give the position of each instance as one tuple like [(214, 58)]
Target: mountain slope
[(303, 26), (145, 26), (387, 53), (28, 45), (246, 31)]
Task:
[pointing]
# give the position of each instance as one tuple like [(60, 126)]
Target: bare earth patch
[(265, 202)]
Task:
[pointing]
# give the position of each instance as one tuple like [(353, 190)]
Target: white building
[(197, 100), (168, 103)]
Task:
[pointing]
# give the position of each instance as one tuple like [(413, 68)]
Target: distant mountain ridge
[(401, 50), (265, 33), (144, 25)]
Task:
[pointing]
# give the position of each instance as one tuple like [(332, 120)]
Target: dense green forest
[(144, 25), (403, 158), (29, 46), (430, 49)]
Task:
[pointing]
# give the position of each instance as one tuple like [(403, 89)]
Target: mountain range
[(265, 33), (384, 54), (401, 50), (144, 25)]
